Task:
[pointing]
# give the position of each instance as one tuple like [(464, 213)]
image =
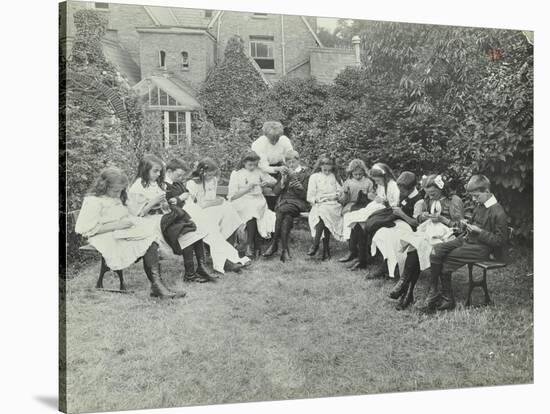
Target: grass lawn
[(277, 331)]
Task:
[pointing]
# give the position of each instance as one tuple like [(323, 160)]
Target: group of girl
[(173, 209)]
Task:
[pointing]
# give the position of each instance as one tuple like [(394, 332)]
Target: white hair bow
[(439, 182)]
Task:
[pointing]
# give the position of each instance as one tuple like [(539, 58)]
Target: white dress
[(252, 204), (119, 248), (271, 154), (329, 211), (225, 215), (360, 216), (220, 249), (138, 196)]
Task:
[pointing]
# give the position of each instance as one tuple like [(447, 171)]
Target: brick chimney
[(356, 42)]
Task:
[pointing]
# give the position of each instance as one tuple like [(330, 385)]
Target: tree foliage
[(231, 86)]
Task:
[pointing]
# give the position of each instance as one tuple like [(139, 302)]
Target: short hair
[(249, 156), (292, 154), (478, 182), (357, 164), (176, 164), (272, 128), (407, 179)]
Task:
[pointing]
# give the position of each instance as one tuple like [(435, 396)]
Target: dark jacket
[(379, 219), (178, 222), (494, 222), (295, 195)]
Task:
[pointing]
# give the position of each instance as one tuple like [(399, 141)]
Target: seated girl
[(357, 192), (440, 211), (202, 189), (120, 237), (292, 191), (147, 199), (246, 196), (325, 218), (386, 195)]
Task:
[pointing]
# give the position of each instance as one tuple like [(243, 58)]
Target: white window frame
[(179, 134), (270, 43)]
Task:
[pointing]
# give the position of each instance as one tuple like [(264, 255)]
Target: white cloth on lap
[(322, 185), (389, 240)]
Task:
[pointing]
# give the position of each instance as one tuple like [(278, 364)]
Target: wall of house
[(297, 37), (327, 63), (199, 47)]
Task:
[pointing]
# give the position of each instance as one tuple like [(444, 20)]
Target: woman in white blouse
[(272, 148), (120, 237)]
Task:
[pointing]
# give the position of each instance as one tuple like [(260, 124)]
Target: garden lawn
[(277, 331)]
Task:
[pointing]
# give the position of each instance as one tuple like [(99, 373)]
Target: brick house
[(165, 53)]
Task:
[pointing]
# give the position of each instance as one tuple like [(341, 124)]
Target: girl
[(386, 195), (439, 206), (202, 189), (292, 191), (245, 195), (147, 199), (358, 190), (121, 238), (324, 189)]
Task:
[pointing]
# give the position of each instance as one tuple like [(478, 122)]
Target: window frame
[(101, 8), (162, 59), (183, 65), (181, 118), (269, 42), (260, 15)]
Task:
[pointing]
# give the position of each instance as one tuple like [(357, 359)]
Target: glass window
[(208, 13), (174, 128), (162, 59), (184, 60), (262, 52), (101, 5)]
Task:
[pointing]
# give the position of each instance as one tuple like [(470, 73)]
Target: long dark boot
[(414, 273), (326, 245), (353, 246), (447, 298), (434, 296), (274, 245), (151, 266), (251, 230), (403, 283), (190, 275), (317, 239), (198, 248), (285, 234), (362, 249)]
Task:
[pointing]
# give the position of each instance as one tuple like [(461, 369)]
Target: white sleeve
[(312, 189), (393, 194), (89, 222), (136, 199), (193, 189), (233, 186), (258, 148)]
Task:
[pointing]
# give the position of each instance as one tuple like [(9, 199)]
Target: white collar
[(168, 180), (491, 202), (413, 194)]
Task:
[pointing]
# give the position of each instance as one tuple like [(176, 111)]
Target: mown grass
[(279, 331)]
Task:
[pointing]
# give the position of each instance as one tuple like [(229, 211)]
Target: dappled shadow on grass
[(295, 330)]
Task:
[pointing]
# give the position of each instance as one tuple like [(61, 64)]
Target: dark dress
[(292, 200)]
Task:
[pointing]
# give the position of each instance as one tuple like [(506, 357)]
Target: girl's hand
[(184, 196), (173, 201), (472, 228), (379, 200), (160, 198), (398, 212)]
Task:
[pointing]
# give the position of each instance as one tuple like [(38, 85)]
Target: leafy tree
[(231, 86)]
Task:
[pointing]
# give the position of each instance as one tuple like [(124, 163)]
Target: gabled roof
[(176, 88), (122, 60)]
